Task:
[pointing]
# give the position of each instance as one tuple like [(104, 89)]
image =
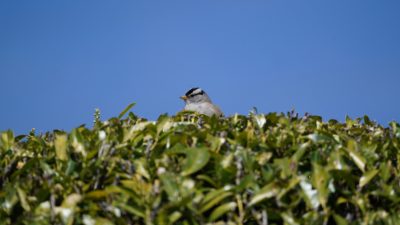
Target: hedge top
[(191, 169)]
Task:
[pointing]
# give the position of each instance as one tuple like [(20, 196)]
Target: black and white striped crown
[(194, 91)]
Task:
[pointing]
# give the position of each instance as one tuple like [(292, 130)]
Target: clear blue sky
[(59, 60)]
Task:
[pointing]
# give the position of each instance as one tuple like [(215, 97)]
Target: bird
[(198, 101)]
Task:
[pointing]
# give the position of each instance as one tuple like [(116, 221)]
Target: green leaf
[(97, 194), (367, 121), (6, 140), (289, 219), (319, 138), (170, 186), (352, 148), (221, 210), (367, 177), (71, 200), (175, 216), (196, 159), (102, 221), (163, 123), (126, 110), (60, 143), (217, 198), (131, 209), (320, 180), (340, 220), (385, 169), (266, 192), (71, 166), (292, 183), (349, 121), (206, 178), (301, 150), (23, 200), (310, 193)]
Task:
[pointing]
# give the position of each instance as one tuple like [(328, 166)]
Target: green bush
[(189, 169)]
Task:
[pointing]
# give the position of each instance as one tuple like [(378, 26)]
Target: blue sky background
[(59, 60)]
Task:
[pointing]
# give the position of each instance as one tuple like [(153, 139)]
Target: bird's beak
[(184, 98)]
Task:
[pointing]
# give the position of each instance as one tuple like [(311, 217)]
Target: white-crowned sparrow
[(197, 100)]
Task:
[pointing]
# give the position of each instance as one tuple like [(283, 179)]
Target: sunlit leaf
[(266, 192), (174, 217), (132, 210), (98, 194), (357, 158), (289, 219), (6, 140), (320, 180), (217, 198), (126, 110), (367, 177), (221, 210), (60, 143), (312, 195)]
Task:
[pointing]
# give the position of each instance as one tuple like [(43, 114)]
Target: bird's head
[(195, 95)]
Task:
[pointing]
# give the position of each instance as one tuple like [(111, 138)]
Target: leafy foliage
[(191, 169)]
